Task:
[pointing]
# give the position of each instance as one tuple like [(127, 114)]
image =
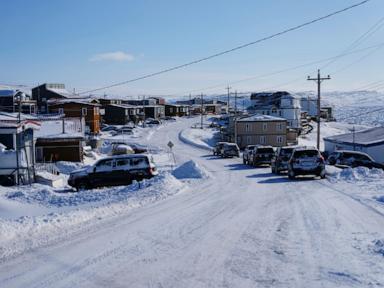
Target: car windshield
[(306, 153), (265, 150), (231, 146), (286, 151)]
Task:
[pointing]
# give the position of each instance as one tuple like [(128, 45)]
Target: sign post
[(170, 145)]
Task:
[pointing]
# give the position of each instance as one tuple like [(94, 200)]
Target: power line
[(297, 27), (283, 70), (373, 29)]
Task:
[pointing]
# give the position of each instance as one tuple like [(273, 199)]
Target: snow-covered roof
[(82, 101), (260, 117), (368, 137), (124, 106), (72, 135)]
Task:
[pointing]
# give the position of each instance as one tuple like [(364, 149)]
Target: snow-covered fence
[(47, 167)]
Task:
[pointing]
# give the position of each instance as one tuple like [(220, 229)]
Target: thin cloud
[(118, 56)]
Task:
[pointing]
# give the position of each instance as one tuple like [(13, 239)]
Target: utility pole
[(18, 139), (318, 79), (228, 88), (202, 108), (235, 119), (236, 102)]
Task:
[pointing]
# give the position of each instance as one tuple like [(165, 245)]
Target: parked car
[(352, 159), (230, 150), (138, 149), (122, 131), (153, 122), (261, 155), (109, 128), (306, 161), (279, 161), (247, 153), (113, 171), (217, 149), (168, 118)]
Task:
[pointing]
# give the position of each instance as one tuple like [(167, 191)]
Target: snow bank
[(358, 174), (29, 232), (190, 170), (200, 138)]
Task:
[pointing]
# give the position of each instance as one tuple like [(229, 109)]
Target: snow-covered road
[(242, 227)]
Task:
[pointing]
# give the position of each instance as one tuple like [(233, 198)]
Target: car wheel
[(82, 186)]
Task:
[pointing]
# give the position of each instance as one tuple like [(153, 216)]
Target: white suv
[(306, 161)]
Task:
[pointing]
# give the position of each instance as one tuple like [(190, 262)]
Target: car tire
[(81, 186)]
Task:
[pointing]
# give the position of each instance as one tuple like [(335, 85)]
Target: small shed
[(370, 141), (60, 147)]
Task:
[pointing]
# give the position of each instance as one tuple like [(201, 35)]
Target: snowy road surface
[(241, 227)]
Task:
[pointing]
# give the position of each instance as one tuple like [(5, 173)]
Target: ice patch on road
[(190, 170)]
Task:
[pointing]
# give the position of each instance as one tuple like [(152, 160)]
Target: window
[(279, 126), (84, 111), (263, 139), (265, 126), (97, 111), (104, 165), (249, 139), (279, 139), (61, 110), (247, 127), (274, 111), (122, 162), (138, 161)]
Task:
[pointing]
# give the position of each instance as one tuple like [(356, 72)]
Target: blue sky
[(91, 43)]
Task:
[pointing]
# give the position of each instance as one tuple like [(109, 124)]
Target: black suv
[(262, 155), (280, 160), (113, 171), (345, 158)]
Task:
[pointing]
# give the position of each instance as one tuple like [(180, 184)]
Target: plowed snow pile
[(359, 174), (190, 170)]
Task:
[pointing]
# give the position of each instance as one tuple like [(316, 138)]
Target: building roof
[(125, 106), (58, 102), (260, 117), (368, 137)]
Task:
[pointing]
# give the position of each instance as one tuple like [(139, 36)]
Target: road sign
[(170, 144)]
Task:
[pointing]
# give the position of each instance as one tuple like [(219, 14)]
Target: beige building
[(261, 129)]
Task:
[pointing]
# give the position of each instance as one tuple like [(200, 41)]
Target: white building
[(278, 104), (370, 141), (309, 105)]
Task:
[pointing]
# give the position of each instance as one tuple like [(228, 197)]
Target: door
[(102, 173)]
